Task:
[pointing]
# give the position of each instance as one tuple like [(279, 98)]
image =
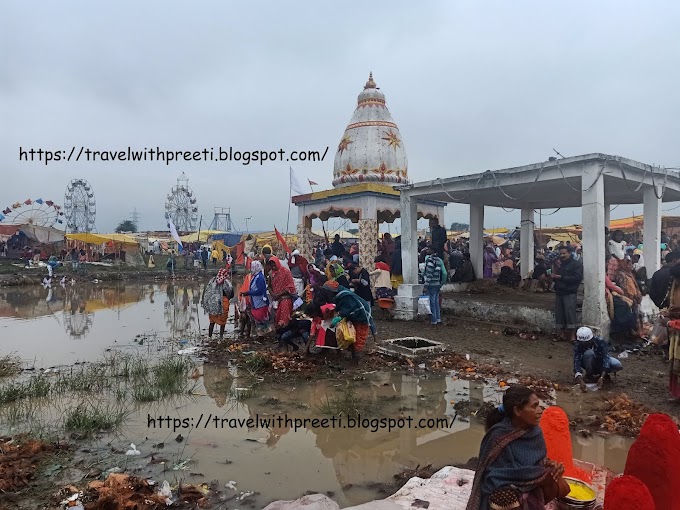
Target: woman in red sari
[(283, 291)]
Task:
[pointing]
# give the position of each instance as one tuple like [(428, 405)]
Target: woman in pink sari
[(283, 291)]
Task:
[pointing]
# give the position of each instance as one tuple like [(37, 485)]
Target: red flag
[(282, 240), (28, 202), (240, 253), (311, 182)]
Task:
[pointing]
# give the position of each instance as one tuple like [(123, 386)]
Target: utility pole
[(134, 216), (248, 218)]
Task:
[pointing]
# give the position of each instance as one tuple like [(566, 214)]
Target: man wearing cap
[(591, 358)]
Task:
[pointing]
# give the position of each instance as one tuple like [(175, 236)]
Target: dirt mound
[(19, 458), (624, 416)]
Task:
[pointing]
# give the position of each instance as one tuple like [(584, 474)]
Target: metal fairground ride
[(180, 205), (80, 206), (38, 213)]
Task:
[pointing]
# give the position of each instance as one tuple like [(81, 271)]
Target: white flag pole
[(290, 199)]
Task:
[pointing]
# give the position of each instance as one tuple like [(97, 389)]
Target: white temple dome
[(371, 149)]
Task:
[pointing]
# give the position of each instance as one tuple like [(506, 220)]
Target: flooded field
[(198, 429)]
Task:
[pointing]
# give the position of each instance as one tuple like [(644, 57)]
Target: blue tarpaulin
[(227, 239)]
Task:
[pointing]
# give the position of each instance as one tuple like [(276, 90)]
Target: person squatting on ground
[(514, 471), (591, 359), (216, 298), (567, 277)]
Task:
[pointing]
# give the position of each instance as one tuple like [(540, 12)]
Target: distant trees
[(126, 226), (458, 227)]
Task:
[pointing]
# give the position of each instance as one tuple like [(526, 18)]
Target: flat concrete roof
[(550, 184)]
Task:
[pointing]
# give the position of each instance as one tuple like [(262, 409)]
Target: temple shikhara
[(370, 159)]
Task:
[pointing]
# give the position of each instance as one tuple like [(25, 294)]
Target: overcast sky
[(472, 86)]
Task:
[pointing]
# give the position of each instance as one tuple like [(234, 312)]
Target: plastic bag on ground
[(424, 305)]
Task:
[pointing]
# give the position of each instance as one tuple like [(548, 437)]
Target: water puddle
[(234, 428)]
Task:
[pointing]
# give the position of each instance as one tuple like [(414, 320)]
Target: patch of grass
[(87, 418), (349, 404), (257, 363), (242, 394), (36, 387), (9, 365)]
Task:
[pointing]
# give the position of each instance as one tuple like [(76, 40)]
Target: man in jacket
[(592, 361), (567, 277), (435, 276), (661, 280)]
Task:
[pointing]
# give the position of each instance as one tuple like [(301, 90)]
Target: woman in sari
[(216, 298), (513, 470), (259, 308), (244, 306), (283, 291)]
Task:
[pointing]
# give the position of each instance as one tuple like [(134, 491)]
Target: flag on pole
[(282, 241), (295, 184), (312, 183), (173, 231)]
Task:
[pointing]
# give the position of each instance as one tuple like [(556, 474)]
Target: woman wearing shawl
[(490, 259), (259, 310), (356, 310), (216, 299), (299, 268), (244, 306), (383, 283), (672, 313), (283, 291), (514, 471)]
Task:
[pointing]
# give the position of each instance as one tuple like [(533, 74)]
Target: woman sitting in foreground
[(513, 470)]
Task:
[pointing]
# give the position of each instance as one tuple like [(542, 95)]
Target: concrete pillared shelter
[(593, 182)]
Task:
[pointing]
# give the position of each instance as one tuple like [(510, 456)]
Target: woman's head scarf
[(276, 261), (222, 276), (256, 267), (331, 285)]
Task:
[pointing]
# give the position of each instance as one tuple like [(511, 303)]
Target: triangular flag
[(311, 182), (282, 240), (295, 184)]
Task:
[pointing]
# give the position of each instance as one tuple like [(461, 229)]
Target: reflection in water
[(181, 311), (38, 322), (361, 456)]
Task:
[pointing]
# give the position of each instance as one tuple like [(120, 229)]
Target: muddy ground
[(644, 377)]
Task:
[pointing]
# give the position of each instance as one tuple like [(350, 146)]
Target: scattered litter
[(231, 485), (244, 495), (467, 357), (133, 450), (189, 350), (624, 355), (166, 492)]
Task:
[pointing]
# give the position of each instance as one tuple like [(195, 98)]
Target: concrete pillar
[(527, 242), (651, 230), (409, 238), (477, 239), (406, 300), (594, 270), (368, 239)]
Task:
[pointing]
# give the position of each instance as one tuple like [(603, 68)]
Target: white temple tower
[(371, 149), (369, 162)]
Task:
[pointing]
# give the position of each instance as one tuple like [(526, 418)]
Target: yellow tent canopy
[(492, 231), (102, 238), (203, 237)]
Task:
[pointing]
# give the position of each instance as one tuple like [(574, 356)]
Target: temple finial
[(370, 84)]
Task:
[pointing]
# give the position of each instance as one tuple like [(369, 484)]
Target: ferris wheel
[(80, 206), (180, 205), (39, 213)]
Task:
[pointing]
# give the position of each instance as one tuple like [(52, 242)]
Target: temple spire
[(370, 84)]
